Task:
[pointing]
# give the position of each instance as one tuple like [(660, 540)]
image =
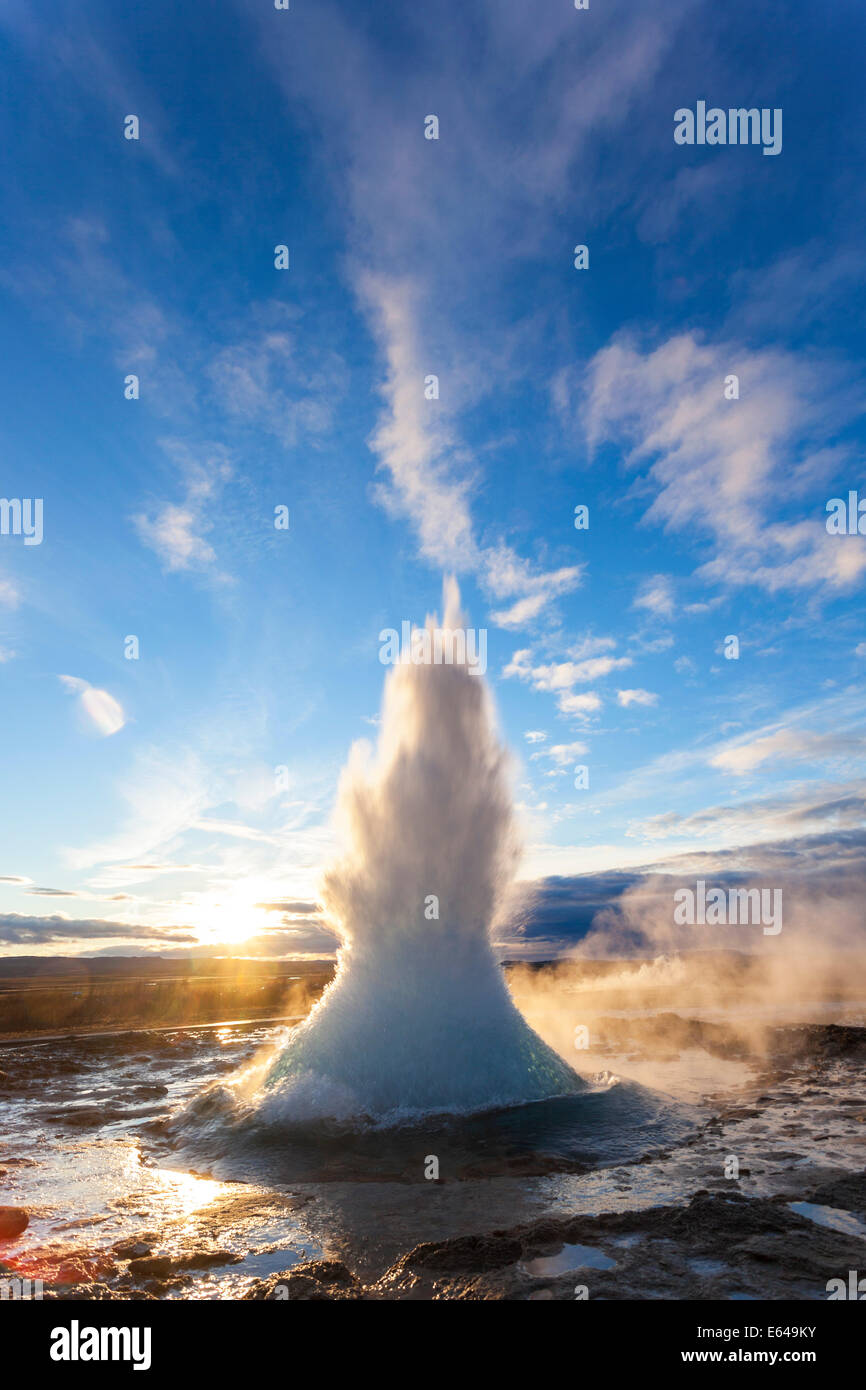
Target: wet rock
[(95, 1116), (847, 1192), (329, 1272), (13, 1220), (81, 1116), (319, 1280), (465, 1252), (72, 1268), (66, 1065), (158, 1288), (98, 1291), (163, 1266), (755, 1247), (821, 1041), (132, 1249)]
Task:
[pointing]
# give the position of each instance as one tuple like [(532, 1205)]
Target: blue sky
[(141, 809)]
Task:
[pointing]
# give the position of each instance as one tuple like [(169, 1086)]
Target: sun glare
[(229, 918)]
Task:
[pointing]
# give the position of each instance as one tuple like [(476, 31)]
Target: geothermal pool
[(121, 1202)]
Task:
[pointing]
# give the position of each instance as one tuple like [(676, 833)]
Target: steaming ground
[(621, 1187)]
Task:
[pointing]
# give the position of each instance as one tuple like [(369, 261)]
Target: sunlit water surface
[(92, 1147)]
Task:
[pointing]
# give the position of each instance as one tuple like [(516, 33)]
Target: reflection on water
[(568, 1258), (180, 1194), (830, 1217), (117, 1191)]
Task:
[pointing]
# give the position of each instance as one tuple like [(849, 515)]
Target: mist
[(418, 1018)]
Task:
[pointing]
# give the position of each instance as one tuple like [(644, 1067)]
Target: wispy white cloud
[(267, 381), (413, 437), (657, 595), (635, 697), (9, 593), (102, 711), (726, 468), (75, 54), (802, 808), (578, 706), (176, 531), (406, 198), (562, 675), (589, 660), (163, 794), (561, 753), (784, 745), (172, 533), (429, 474)]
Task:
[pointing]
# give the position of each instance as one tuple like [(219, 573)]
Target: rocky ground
[(671, 1223), (719, 1246)]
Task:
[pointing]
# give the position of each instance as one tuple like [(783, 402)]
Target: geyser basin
[(603, 1125), (418, 1019)]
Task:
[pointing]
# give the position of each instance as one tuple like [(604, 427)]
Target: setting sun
[(229, 917)]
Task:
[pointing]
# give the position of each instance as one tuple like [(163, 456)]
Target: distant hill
[(151, 967)]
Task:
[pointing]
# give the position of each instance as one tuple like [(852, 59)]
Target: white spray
[(418, 1018)]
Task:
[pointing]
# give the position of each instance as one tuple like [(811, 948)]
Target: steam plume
[(418, 1018)]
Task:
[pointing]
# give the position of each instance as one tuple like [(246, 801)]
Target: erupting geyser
[(418, 1018)]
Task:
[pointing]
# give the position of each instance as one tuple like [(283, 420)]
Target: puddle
[(569, 1257), (832, 1217)]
